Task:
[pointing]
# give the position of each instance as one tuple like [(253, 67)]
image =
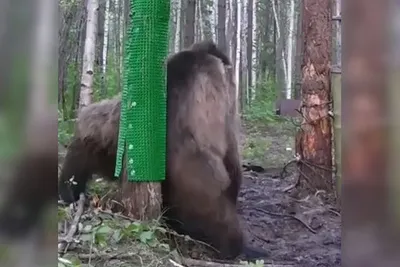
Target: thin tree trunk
[(299, 55), (105, 47), (314, 144), (182, 24), (118, 43), (80, 48), (249, 49), (280, 51), (189, 23), (221, 37), (290, 41), (201, 21), (100, 34), (235, 33), (89, 54), (178, 26), (254, 48)]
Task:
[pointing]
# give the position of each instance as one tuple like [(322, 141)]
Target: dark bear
[(203, 162)]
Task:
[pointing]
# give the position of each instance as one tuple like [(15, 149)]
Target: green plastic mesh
[(142, 133)]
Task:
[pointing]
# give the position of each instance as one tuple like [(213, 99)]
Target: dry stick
[(287, 216), (199, 263), (69, 238)]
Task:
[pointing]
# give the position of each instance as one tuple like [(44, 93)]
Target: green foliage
[(65, 128), (262, 108), (254, 148), (103, 88), (258, 263), (117, 232)]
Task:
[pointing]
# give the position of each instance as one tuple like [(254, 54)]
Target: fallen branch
[(288, 216), (69, 238), (199, 263)]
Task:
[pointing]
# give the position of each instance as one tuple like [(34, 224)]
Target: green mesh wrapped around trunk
[(142, 131)]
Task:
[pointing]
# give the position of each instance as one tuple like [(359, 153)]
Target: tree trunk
[(189, 23), (118, 7), (290, 51), (221, 37), (236, 33), (281, 66), (100, 34), (299, 56), (249, 49), (314, 143), (141, 201), (80, 48), (337, 98), (104, 51), (89, 54)]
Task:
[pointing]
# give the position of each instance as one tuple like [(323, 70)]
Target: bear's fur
[(203, 162)]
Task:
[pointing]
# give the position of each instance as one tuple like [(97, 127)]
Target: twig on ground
[(286, 166), (116, 215), (287, 216), (175, 263), (69, 238), (200, 263), (292, 186)]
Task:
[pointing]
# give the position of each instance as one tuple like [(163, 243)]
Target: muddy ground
[(304, 232), (300, 232)]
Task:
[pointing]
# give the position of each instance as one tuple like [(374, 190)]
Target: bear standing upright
[(203, 161)]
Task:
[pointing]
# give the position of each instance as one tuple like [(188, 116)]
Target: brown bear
[(203, 174)]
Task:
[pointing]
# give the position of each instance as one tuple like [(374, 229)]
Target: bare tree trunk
[(299, 56), (118, 43), (281, 66), (221, 37), (249, 49), (201, 21), (100, 34), (182, 18), (314, 138), (177, 37), (104, 52), (290, 41), (89, 54), (80, 48), (254, 48), (236, 34), (189, 23)]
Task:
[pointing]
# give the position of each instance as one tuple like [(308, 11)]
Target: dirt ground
[(299, 232), (303, 232)]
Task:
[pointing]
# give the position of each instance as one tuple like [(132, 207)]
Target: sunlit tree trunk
[(290, 41), (89, 54)]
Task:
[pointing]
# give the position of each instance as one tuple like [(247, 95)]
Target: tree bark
[(299, 56), (249, 49), (141, 201), (89, 54), (314, 144), (221, 37), (189, 23)]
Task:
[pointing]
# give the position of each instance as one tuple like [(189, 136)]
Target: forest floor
[(296, 232)]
